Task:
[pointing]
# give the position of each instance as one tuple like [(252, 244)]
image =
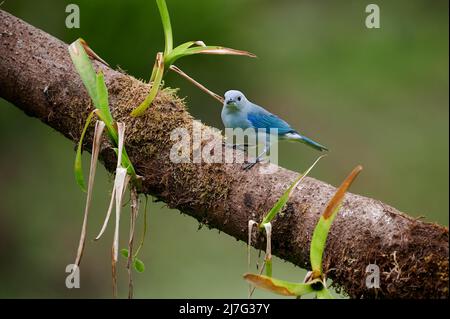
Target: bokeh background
[(377, 97)]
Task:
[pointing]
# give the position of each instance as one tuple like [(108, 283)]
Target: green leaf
[(180, 52), (216, 49), (176, 53), (85, 69), (280, 287), (97, 90), (124, 252), (285, 197), (269, 268), (165, 19), (138, 265), (102, 95), (182, 47), (78, 168), (94, 83), (154, 88), (324, 294), (320, 234)]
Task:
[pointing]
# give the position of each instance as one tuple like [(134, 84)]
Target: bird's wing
[(260, 118)]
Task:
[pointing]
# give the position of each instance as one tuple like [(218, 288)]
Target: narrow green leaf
[(97, 90), (174, 56), (320, 234), (182, 47), (285, 197), (318, 242), (269, 268), (112, 132), (177, 53), (124, 252), (165, 19), (138, 265), (94, 83), (215, 49), (102, 95), (155, 68), (78, 168), (280, 287), (268, 256), (324, 294), (85, 69), (153, 90)]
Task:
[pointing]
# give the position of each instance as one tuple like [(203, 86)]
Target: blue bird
[(238, 112)]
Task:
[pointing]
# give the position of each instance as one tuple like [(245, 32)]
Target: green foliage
[(165, 19), (124, 252), (324, 294), (186, 49), (102, 96), (285, 197), (280, 287), (97, 90), (320, 234), (269, 267), (138, 264), (78, 168), (315, 282), (158, 72), (170, 55)]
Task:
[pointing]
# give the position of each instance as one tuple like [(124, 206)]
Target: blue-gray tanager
[(238, 112)]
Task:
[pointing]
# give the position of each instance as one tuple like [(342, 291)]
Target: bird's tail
[(300, 138)]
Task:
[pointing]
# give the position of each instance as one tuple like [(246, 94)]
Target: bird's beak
[(230, 101)]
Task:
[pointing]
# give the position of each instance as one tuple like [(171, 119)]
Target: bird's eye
[(239, 98)]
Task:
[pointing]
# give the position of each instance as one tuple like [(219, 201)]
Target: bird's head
[(235, 99)]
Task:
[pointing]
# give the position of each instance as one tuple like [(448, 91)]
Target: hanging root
[(268, 256), (108, 214), (120, 184), (133, 217), (251, 223), (99, 127)]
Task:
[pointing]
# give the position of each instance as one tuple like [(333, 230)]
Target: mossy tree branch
[(37, 76)]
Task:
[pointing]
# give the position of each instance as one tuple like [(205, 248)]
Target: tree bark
[(36, 75)]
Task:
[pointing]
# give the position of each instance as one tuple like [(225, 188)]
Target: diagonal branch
[(36, 75)]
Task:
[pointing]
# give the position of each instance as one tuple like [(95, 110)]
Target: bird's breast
[(235, 119)]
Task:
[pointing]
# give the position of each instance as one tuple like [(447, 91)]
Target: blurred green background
[(375, 97)]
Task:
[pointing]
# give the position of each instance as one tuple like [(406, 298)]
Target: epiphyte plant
[(125, 172), (164, 60), (266, 223), (315, 280)]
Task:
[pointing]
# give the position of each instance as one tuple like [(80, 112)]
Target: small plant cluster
[(315, 280), (165, 60), (125, 174)]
